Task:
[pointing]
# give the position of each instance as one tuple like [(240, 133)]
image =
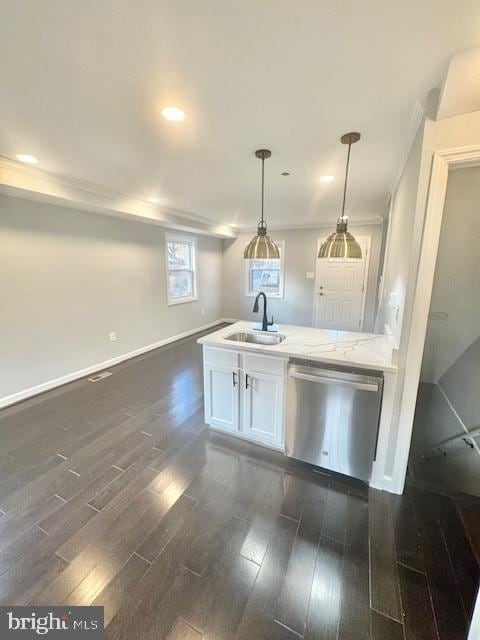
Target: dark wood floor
[(114, 493)]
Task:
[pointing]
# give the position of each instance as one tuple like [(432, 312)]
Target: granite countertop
[(363, 350)]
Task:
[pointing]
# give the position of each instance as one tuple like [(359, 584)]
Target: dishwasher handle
[(362, 386)]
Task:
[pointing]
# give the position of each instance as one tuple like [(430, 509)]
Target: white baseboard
[(82, 373), (386, 483)]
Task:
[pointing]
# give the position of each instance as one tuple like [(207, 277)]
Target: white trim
[(320, 224), (277, 296), (366, 273), (192, 241), (175, 301), (441, 162), (461, 157), (416, 118), (82, 373), (32, 183), (380, 480)]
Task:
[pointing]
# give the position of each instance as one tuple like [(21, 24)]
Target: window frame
[(181, 239), (281, 293)]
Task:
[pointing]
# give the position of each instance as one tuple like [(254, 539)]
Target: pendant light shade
[(261, 246), (341, 244)]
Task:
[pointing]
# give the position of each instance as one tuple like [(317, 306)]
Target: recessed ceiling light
[(153, 200), (327, 178), (174, 114), (27, 158)]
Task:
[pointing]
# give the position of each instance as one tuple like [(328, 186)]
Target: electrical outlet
[(113, 336), (202, 312), (310, 275)]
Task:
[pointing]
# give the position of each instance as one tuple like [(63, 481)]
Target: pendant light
[(261, 246), (342, 244)]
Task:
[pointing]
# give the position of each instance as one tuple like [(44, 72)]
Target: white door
[(340, 288), (221, 396), (263, 407)]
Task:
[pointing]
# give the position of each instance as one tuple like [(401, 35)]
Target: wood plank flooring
[(114, 493)]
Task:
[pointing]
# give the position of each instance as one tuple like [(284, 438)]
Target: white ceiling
[(83, 83)]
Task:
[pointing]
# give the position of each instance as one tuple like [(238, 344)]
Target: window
[(181, 269), (266, 275)]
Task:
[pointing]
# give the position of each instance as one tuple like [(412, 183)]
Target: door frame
[(441, 162), (366, 273)]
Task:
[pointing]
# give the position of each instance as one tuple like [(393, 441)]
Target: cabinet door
[(221, 396), (263, 407)]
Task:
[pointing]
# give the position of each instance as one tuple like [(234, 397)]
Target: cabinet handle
[(234, 378), (246, 381)]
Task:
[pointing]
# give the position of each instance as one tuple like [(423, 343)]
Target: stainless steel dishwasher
[(332, 416)]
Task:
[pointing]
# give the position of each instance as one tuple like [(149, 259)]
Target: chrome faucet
[(265, 322)]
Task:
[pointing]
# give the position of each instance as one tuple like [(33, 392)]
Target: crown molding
[(416, 118), (373, 220), (32, 183)]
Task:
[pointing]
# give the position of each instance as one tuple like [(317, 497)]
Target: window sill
[(277, 296), (175, 301)]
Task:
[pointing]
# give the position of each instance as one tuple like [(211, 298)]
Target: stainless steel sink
[(256, 338)]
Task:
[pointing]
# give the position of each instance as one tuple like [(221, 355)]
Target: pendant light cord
[(346, 179), (263, 184)]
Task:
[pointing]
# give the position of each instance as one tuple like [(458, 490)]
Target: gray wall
[(451, 361), (68, 278), (454, 322), (300, 256), (398, 252)]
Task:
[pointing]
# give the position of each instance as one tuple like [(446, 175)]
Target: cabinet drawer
[(220, 356), (264, 364)]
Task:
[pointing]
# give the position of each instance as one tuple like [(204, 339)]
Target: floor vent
[(100, 376)]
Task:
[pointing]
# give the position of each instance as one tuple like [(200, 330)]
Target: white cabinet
[(244, 394), (221, 397), (221, 388), (263, 407)]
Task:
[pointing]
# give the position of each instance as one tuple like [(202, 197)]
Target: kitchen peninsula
[(248, 388)]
